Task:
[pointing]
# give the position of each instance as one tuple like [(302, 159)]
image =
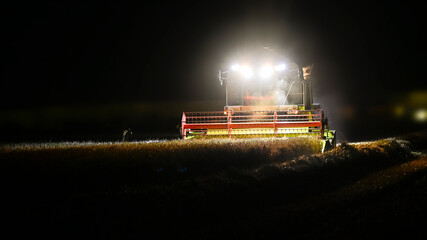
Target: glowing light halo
[(246, 71), (280, 67), (235, 67), (266, 71)]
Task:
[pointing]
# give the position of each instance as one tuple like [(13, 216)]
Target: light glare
[(280, 67), (246, 71), (266, 72), (235, 67), (420, 115)]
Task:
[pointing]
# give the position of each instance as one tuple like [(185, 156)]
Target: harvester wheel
[(334, 140)]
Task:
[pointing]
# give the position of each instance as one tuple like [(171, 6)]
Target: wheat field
[(209, 189)]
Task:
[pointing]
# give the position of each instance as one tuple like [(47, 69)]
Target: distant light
[(420, 115), (246, 71), (235, 67), (266, 71), (280, 67)]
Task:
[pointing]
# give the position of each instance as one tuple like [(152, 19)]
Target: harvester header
[(266, 95)]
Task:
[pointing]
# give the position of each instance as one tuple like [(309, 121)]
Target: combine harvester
[(266, 96)]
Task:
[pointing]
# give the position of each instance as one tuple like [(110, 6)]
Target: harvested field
[(264, 188)]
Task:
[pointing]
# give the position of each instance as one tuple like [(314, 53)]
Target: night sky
[(80, 53)]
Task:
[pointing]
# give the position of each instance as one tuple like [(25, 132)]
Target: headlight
[(266, 71)]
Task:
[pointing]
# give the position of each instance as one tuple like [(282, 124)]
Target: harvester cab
[(266, 95)]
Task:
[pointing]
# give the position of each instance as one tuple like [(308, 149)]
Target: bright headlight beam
[(266, 71), (246, 71)]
